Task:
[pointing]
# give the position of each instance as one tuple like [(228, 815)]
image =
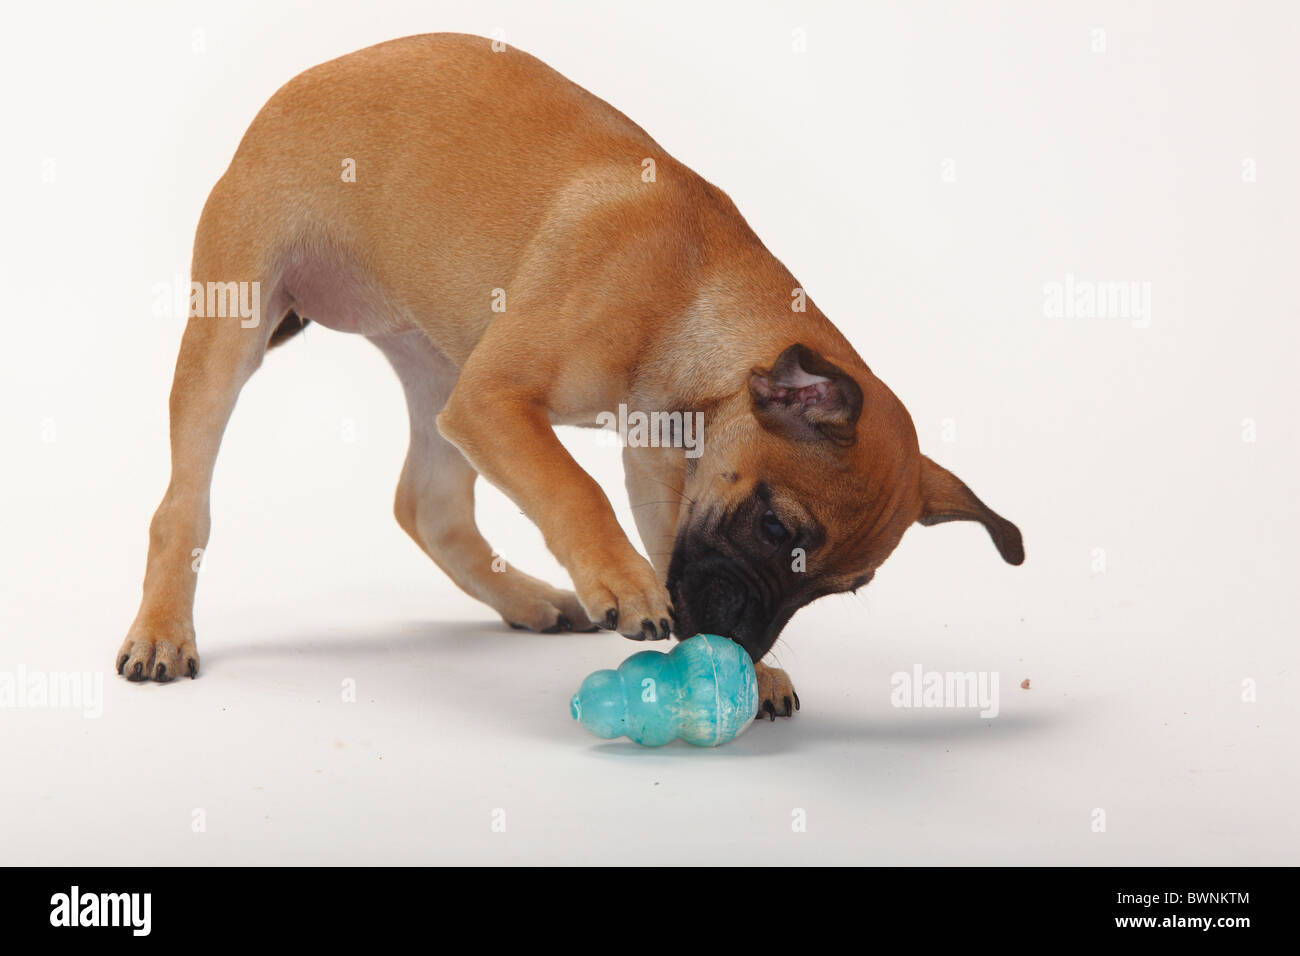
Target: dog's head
[(804, 486)]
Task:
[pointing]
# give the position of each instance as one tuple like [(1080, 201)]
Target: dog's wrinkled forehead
[(804, 536)]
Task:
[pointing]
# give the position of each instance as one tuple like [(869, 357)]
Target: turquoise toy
[(703, 691)]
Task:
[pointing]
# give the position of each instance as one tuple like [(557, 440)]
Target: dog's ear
[(805, 397), (945, 498)]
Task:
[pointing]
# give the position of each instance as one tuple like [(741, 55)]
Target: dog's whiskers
[(678, 492)]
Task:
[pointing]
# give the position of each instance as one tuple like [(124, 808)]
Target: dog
[(525, 256)]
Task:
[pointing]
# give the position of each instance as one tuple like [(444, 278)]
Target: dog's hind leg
[(218, 353), (435, 500)]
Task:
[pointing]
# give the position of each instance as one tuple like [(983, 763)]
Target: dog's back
[(495, 160)]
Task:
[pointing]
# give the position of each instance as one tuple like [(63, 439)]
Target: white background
[(1121, 164)]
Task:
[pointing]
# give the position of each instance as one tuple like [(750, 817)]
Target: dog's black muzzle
[(716, 594)]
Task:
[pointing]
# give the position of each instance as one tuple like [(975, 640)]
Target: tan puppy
[(526, 256)]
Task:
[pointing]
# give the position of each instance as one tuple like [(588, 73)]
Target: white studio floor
[(1134, 708)]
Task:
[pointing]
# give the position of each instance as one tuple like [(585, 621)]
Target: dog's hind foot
[(547, 610)]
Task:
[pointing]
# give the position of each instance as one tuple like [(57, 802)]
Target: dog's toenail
[(121, 665), (160, 673), (611, 618), (563, 624), (137, 672), (194, 668)]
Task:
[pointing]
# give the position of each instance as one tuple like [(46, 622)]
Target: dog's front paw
[(776, 696), (158, 654), (626, 596)]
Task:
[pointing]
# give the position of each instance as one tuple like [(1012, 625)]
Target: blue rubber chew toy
[(703, 691)]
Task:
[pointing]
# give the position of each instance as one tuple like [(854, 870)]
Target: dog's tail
[(289, 326)]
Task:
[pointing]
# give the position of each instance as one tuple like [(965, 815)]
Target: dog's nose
[(708, 601)]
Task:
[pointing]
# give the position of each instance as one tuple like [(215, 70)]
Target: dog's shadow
[(431, 658)]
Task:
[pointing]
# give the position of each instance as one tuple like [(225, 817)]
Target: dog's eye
[(770, 528)]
